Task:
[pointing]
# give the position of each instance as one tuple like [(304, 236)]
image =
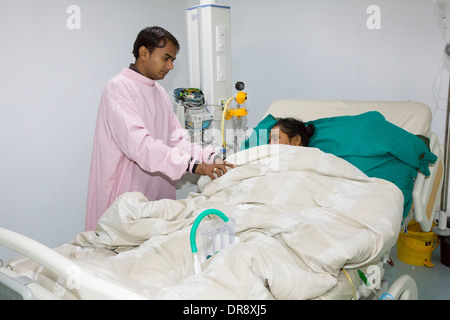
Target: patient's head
[(292, 132)]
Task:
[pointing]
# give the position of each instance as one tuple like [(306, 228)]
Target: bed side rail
[(404, 288), (15, 288), (427, 190), (87, 285), (20, 287)]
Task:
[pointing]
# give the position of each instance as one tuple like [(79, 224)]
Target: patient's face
[(279, 137)]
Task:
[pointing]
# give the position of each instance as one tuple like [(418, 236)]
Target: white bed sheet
[(301, 216)]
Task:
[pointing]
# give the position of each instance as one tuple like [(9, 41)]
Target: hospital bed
[(77, 270), (412, 116)]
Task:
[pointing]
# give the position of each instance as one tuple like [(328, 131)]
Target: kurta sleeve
[(134, 140)]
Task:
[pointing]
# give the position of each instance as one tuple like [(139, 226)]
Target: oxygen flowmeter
[(238, 113)]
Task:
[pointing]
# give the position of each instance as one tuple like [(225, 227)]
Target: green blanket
[(371, 143)]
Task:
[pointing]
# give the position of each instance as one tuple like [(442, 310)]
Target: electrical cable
[(192, 99)]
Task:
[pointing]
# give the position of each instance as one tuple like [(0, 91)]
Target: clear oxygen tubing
[(224, 113), (200, 217)]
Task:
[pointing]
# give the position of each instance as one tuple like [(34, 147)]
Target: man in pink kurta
[(139, 144)]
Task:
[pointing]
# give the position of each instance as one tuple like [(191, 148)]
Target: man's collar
[(133, 67)]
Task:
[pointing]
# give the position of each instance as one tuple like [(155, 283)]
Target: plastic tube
[(223, 121), (197, 267), (197, 223)]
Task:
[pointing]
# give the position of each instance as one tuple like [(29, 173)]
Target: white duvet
[(301, 216)]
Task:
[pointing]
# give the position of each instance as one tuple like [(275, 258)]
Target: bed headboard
[(412, 116)]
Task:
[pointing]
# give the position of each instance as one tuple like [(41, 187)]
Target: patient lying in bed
[(301, 216), (377, 147), (292, 132)]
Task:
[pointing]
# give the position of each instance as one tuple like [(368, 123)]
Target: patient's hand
[(213, 170)]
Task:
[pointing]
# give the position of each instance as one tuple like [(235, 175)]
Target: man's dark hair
[(152, 38)]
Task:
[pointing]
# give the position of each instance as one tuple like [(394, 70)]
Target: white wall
[(51, 79), (322, 49)]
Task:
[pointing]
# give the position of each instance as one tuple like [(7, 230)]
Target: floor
[(433, 283)]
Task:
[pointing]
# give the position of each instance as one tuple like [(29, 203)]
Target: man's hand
[(213, 170)]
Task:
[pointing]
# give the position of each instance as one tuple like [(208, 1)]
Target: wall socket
[(223, 102), (221, 68)]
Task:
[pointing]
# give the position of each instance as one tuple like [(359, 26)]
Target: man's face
[(156, 65)]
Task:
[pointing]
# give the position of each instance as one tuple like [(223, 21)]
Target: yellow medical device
[(241, 98), (239, 113)]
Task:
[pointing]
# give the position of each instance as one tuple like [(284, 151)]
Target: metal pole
[(441, 229), (444, 195)]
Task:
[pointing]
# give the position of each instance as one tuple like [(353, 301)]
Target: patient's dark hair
[(292, 127), (152, 38)]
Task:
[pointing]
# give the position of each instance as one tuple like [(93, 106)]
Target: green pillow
[(260, 134)]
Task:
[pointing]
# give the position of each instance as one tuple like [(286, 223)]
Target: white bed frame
[(412, 116), (89, 287)]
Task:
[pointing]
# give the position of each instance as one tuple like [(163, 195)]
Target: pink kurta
[(139, 144)]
